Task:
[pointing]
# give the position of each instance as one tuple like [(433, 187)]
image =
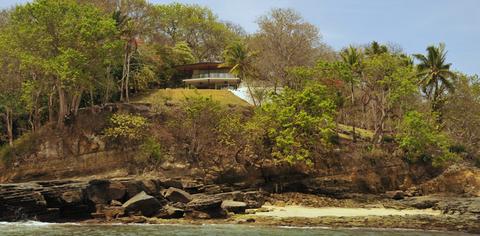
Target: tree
[(389, 84), (62, 39), (436, 77), (10, 83), (419, 138), (240, 58), (284, 40), (198, 26), (374, 48), (464, 128), (296, 125), (352, 57), (133, 21)]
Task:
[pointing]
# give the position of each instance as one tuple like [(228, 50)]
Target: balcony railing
[(213, 75)]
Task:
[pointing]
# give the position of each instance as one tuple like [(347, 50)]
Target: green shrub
[(151, 151), (297, 124), (421, 140), (125, 128), (457, 148), (24, 145)]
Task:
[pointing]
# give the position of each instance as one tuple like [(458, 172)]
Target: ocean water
[(46, 229)]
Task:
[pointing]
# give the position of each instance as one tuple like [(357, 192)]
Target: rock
[(115, 203), (204, 203), (177, 195), (96, 215), (170, 212), (103, 191), (254, 199), (205, 207), (151, 187), (113, 212), (133, 187), (234, 206), (235, 196), (192, 186), (198, 215), (72, 197), (425, 204), (116, 190), (172, 183), (395, 195), (143, 203), (21, 202)]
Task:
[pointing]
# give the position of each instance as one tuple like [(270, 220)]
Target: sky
[(411, 24)]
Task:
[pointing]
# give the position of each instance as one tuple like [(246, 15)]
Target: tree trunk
[(127, 78), (51, 116), (63, 111), (9, 122), (76, 103), (249, 89), (353, 112)]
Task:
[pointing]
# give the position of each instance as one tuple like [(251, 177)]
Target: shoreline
[(125, 201), (421, 223)]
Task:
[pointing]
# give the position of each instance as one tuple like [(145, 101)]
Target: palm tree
[(352, 57), (375, 49), (436, 78), (237, 56)]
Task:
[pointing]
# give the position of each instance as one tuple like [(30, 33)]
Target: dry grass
[(225, 97), (346, 131)]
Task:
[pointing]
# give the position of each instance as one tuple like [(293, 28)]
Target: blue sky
[(412, 24)]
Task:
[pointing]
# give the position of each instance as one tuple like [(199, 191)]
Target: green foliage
[(436, 76), (195, 25), (23, 146), (152, 151), (298, 123), (125, 128), (419, 138)]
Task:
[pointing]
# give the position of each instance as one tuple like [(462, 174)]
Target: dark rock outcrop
[(177, 195), (142, 203), (170, 212), (205, 207), (104, 191), (234, 206)]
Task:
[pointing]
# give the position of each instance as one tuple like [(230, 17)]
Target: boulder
[(177, 195), (170, 212), (113, 212), (254, 199), (234, 206), (133, 187), (205, 207), (116, 190), (395, 195), (143, 203), (103, 191), (115, 203), (72, 197), (205, 203)]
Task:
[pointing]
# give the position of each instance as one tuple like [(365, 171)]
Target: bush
[(195, 126), (126, 128), (296, 124), (151, 151), (22, 146), (457, 148), (420, 140)]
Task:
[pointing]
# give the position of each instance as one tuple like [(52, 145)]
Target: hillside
[(156, 96)]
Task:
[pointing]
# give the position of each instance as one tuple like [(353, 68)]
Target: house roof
[(202, 66)]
